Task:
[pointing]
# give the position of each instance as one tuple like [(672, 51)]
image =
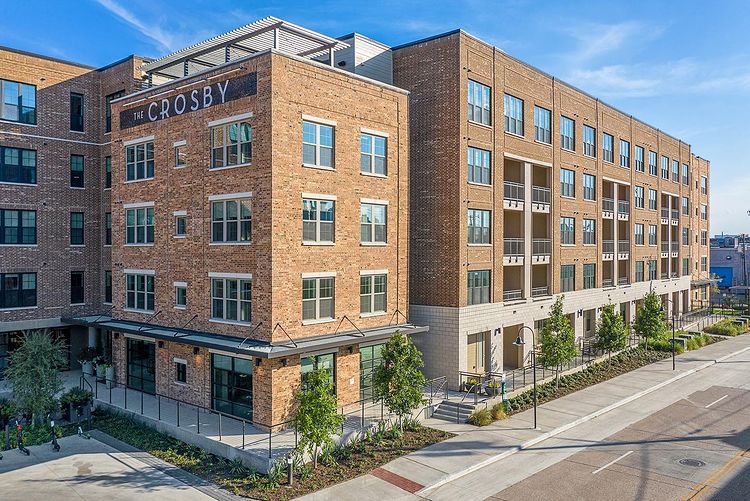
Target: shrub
[(665, 345), (480, 417), (726, 327), (498, 411), (76, 396)]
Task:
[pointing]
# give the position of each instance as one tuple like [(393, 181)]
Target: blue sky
[(681, 66)]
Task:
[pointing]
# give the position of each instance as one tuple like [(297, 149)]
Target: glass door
[(142, 365)]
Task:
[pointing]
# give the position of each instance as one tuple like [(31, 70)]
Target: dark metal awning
[(244, 346)]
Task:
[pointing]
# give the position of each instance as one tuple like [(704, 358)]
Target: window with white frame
[(685, 206), (180, 224), (704, 185), (479, 226), (479, 166), (652, 167), (589, 231), (542, 125), (231, 298), (139, 225), (317, 144), (513, 112), (180, 295), (664, 167), (704, 263), (373, 223), (478, 287), (608, 147), (180, 155), (652, 234), (639, 159), (639, 197), (567, 133), (567, 183), (704, 237), (704, 212), (373, 293), (685, 236), (567, 230), (589, 187), (318, 220), (480, 103), (675, 171), (231, 145), (372, 154), (589, 141), (651, 199), (624, 154), (685, 174), (139, 161), (318, 298), (638, 233), (231, 220), (139, 292)]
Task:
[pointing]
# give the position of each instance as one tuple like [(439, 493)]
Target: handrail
[(513, 191), (513, 246), (608, 204), (540, 291), (510, 295), (608, 246), (540, 194), (541, 247)]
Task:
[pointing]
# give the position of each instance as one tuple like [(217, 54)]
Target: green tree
[(398, 381), (558, 340), (649, 322), (317, 416), (611, 332), (33, 372)]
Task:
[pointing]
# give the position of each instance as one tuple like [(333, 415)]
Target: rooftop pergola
[(264, 34)]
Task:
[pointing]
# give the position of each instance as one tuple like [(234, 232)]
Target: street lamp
[(673, 347), (520, 342)]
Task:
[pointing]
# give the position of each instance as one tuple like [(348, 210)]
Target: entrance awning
[(245, 346)]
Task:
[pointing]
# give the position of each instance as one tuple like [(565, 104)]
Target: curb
[(544, 436)]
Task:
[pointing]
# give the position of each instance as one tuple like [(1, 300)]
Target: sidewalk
[(474, 448)]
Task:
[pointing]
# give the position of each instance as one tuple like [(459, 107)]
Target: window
[(639, 159), (479, 166), (624, 154), (542, 125), (373, 223), (567, 183), (231, 220), (675, 171), (17, 290), (589, 141), (139, 225), (567, 277), (589, 187), (513, 115), (108, 228), (317, 145), (567, 230), (318, 219), (317, 298), (639, 271), (608, 147), (139, 292), (232, 385), (639, 197), (652, 234), (704, 237), (139, 161), (664, 167), (704, 212), (76, 171), (230, 299), (17, 165), (685, 236), (704, 263), (652, 269), (76, 112), (17, 102), (369, 360), (685, 266), (651, 199), (372, 293), (108, 287), (180, 295), (231, 145), (567, 133), (589, 276), (652, 163), (76, 228), (478, 287), (479, 103), (76, 287), (685, 174), (180, 225), (589, 231), (17, 227), (180, 156), (638, 233), (107, 172), (704, 185), (180, 371), (685, 206), (479, 226), (108, 109), (372, 154), (323, 362)]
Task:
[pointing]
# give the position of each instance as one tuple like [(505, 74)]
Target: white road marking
[(716, 401), (612, 462)]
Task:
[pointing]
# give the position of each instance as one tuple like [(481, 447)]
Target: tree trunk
[(315, 458)]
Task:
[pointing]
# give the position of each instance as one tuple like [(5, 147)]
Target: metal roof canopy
[(264, 34)]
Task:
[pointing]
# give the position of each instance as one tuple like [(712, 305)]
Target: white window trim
[(229, 196), (318, 196), (134, 271), (373, 201), (372, 272), (180, 213), (137, 205), (182, 142), (320, 274), (179, 360), (228, 120), (144, 139), (241, 276), (179, 284), (373, 132), (323, 121)]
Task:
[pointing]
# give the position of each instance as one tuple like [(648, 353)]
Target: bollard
[(290, 469)]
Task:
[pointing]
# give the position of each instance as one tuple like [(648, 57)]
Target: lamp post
[(673, 346), (520, 343)]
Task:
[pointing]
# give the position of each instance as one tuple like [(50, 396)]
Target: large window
[(107, 172), (479, 166), (664, 167), (640, 200), (17, 102), (231, 220), (480, 103), (639, 166), (589, 141), (373, 293), (652, 234), (639, 271), (76, 171), (231, 299), (589, 187), (108, 109), (567, 277), (232, 385), (231, 145), (675, 171), (139, 225), (567, 183), (479, 226), (318, 221), (652, 163), (317, 145), (17, 290), (76, 112), (318, 298), (567, 230), (589, 276), (372, 223), (651, 199), (139, 161), (139, 292), (369, 360), (372, 154), (638, 233), (324, 362), (589, 231), (17, 227), (76, 228), (542, 125), (17, 165), (624, 154), (513, 111), (608, 147), (567, 133), (478, 287), (142, 365), (76, 287)]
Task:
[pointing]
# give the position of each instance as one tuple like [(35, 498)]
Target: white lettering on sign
[(223, 90), (208, 99), (194, 98), (150, 116), (179, 104)]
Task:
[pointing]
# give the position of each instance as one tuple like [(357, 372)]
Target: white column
[(527, 229)]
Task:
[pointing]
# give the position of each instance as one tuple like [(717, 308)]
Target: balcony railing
[(623, 246), (541, 247), (607, 282), (540, 291), (513, 191), (675, 246), (512, 295), (675, 214), (675, 274), (623, 207), (513, 246), (664, 276), (608, 246), (623, 281), (608, 205), (664, 213), (540, 194), (665, 246)]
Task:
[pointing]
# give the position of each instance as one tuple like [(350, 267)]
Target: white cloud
[(597, 40), (163, 39)]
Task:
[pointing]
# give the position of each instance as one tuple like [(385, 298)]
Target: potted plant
[(493, 388), (74, 400), (471, 384), (109, 372), (86, 358)]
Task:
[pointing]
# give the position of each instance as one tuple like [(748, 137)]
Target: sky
[(681, 66)]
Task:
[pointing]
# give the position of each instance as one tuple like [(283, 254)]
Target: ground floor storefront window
[(142, 365), (11, 341), (232, 385), (324, 362), (369, 360)]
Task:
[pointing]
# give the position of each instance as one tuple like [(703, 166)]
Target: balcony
[(664, 215), (513, 251), (608, 208), (665, 249), (608, 250), (540, 291), (541, 250), (623, 249), (675, 246), (607, 282), (623, 210), (512, 295), (540, 199), (675, 217), (513, 195)]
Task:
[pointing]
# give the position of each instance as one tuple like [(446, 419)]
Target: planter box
[(492, 392)]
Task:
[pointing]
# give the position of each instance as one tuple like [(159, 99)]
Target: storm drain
[(695, 463)]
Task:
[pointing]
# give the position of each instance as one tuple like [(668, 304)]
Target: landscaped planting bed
[(726, 327)]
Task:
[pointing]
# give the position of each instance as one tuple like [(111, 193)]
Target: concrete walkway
[(474, 448)]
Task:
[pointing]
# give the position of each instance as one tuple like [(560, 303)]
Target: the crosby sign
[(192, 100)]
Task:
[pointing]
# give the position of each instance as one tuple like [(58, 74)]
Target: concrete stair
[(448, 410)]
